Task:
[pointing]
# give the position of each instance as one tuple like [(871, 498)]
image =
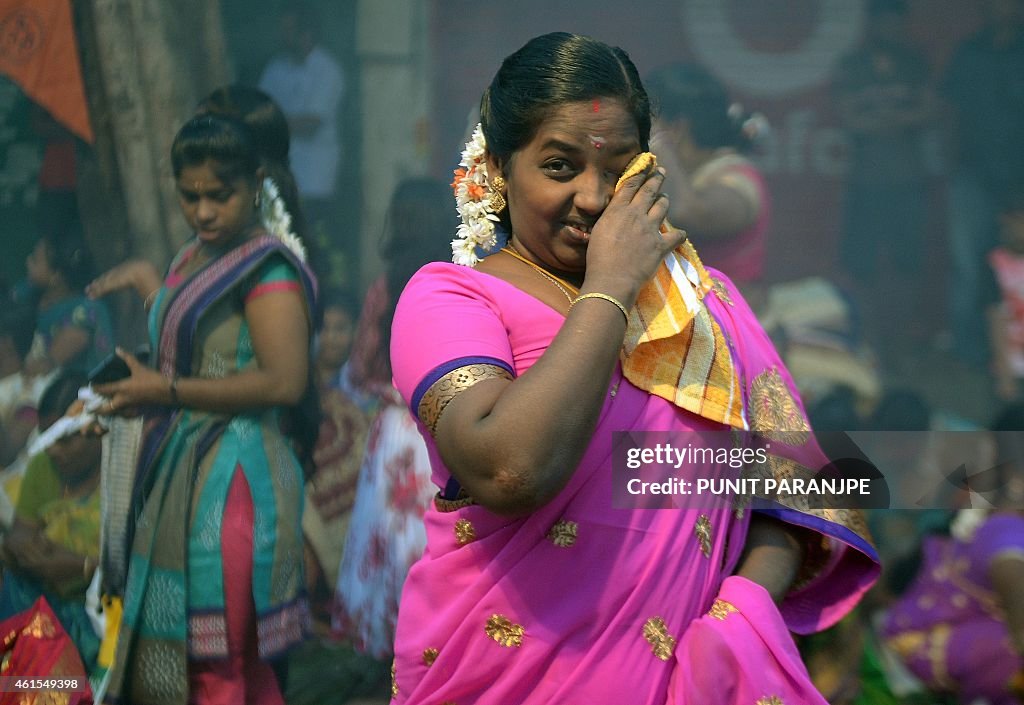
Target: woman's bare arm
[(279, 329), (772, 555), (1007, 575), (514, 445)]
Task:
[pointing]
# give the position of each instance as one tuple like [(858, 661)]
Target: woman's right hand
[(627, 244), (138, 274), (143, 386)]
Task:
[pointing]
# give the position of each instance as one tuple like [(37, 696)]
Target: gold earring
[(497, 200)]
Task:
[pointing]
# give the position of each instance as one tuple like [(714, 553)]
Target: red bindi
[(597, 105)]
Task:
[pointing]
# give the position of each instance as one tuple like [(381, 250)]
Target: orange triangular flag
[(38, 51)]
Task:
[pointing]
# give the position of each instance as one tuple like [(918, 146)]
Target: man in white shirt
[(307, 83)]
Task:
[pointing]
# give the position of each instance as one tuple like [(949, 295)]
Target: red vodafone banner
[(775, 57)]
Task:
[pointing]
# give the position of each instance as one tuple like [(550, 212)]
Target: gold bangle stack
[(604, 297)]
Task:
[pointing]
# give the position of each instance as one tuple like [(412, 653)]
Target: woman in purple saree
[(533, 587), (951, 628), (959, 627)]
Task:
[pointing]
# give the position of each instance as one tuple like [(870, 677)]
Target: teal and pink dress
[(580, 602), (215, 586)]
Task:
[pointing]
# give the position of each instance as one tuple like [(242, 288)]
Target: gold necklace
[(563, 286)]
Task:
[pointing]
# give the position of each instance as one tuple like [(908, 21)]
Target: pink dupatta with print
[(579, 601)]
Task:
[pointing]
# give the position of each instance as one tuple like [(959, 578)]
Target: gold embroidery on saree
[(939, 637), (956, 575), (721, 609), (656, 633), (464, 532), (906, 644), (46, 697), (563, 533), (449, 386), (504, 631), (394, 682), (702, 530), (774, 411), (721, 292), (929, 644), (41, 627), (770, 700), (740, 503), (429, 656)]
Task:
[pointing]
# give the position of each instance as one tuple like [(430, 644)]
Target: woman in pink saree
[(533, 587)]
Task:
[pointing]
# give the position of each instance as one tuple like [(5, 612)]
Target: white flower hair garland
[(277, 220), (473, 195)]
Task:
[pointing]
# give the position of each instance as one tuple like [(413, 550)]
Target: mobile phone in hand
[(113, 368)]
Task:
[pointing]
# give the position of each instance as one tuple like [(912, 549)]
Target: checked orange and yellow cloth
[(673, 347)]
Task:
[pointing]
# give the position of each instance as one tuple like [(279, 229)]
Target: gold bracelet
[(148, 301), (603, 297)]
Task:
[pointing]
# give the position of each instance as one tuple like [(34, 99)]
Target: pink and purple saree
[(580, 601)]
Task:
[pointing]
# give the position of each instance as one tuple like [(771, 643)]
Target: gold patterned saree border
[(818, 553), (450, 505), (450, 385), (852, 519)]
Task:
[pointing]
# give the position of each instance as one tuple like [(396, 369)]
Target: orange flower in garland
[(460, 174)]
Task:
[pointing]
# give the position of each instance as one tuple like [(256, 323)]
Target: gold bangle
[(148, 301), (603, 297)]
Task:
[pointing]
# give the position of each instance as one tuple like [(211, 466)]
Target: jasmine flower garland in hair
[(473, 201), (277, 220)]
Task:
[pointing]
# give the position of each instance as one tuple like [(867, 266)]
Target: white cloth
[(68, 425), (311, 87), (386, 534)]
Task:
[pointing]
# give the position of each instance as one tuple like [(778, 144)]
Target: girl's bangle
[(604, 297), (172, 387), (148, 302)]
